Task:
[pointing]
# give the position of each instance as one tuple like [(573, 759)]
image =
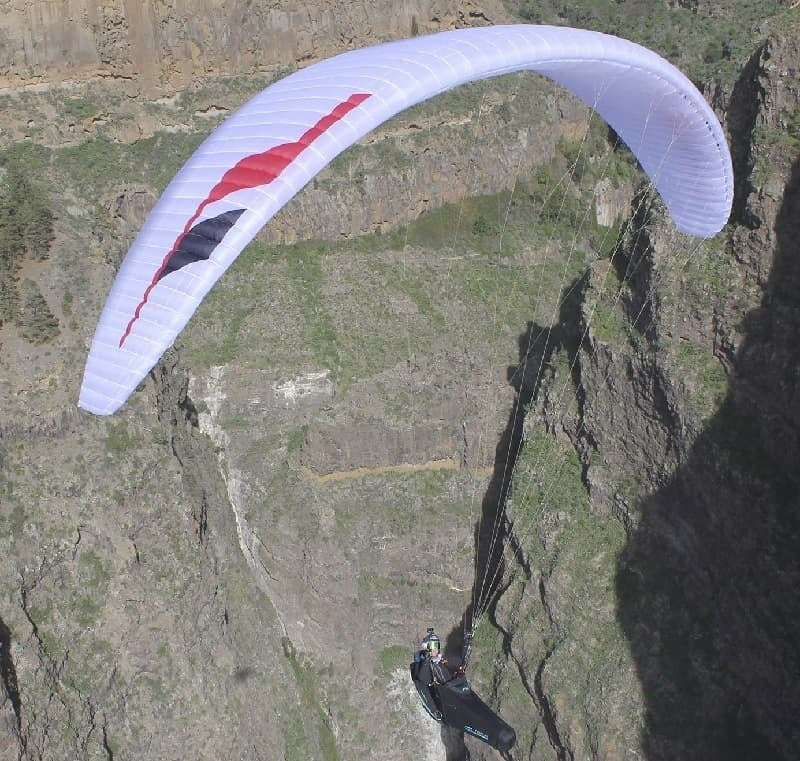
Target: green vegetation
[(26, 231), (296, 439), (572, 550), (392, 658), (306, 271), (118, 439), (37, 323), (202, 407), (479, 237), (94, 577), (704, 376), (299, 745), (80, 109), (604, 309), (431, 484), (416, 284), (608, 324), (26, 221), (9, 297), (547, 480), (599, 153), (192, 98), (704, 43), (101, 164), (87, 610), (783, 140), (12, 524), (372, 586), (94, 573), (706, 279)]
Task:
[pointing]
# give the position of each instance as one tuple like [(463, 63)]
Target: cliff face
[(701, 612), (241, 558), (185, 578), (152, 47), (715, 553)]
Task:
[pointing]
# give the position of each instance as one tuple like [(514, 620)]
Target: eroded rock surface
[(238, 563)]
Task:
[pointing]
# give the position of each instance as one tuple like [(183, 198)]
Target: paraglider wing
[(262, 155)]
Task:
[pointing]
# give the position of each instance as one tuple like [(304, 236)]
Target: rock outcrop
[(157, 47), (685, 420)]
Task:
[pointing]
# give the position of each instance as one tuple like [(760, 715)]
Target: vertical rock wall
[(685, 421), (171, 43)]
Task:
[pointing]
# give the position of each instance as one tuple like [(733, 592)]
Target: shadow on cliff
[(8, 677), (493, 532), (708, 583)]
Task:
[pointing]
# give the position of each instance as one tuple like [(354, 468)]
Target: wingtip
[(97, 404)]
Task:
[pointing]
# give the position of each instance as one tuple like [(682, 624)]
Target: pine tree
[(26, 227), (9, 298), (37, 323), (25, 216)]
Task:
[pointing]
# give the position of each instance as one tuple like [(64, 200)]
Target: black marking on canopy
[(199, 243)]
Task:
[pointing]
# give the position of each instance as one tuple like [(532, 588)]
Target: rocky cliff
[(685, 422), (165, 46), (238, 563)]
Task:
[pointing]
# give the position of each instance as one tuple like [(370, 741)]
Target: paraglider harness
[(448, 698), (429, 673)]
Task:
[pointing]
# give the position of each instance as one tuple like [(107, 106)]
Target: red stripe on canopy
[(251, 172)]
